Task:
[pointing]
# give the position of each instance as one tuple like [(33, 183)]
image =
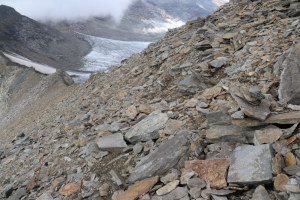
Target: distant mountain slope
[(39, 42), (145, 20)]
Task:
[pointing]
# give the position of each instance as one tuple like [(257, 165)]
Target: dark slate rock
[(289, 90), (165, 157)]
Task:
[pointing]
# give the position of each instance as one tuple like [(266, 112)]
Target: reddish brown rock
[(281, 180), (138, 189), (213, 171), (70, 188), (290, 159)]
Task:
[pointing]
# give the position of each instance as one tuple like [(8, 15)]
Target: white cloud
[(72, 10)]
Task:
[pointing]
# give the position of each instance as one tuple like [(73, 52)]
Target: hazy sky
[(74, 10)]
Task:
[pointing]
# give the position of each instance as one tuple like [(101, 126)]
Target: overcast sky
[(74, 10)]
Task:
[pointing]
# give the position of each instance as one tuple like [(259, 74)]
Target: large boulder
[(289, 90), (165, 157)]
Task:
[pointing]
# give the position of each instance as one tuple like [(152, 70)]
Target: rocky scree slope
[(211, 111), (41, 43)]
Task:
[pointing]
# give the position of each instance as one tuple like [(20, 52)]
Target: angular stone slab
[(165, 157), (289, 90), (213, 172), (178, 193), (229, 133), (251, 165), (267, 135), (284, 118), (114, 142), (148, 128)]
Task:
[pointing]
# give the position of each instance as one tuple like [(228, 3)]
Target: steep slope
[(26, 37), (218, 78)]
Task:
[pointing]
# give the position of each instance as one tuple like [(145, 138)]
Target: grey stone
[(219, 150), (293, 170), (172, 176), (215, 197), (165, 157), (196, 182), (114, 142), (186, 175), (177, 194), (18, 194), (148, 128), (203, 105), (230, 134), (45, 196), (195, 192), (218, 118), (260, 193), (281, 148), (114, 127), (219, 62), (251, 165), (238, 115), (137, 148), (116, 178), (289, 90), (189, 85)]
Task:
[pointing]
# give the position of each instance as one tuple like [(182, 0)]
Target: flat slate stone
[(289, 90), (148, 128), (229, 133), (283, 118), (165, 157), (114, 142), (178, 193), (251, 165)]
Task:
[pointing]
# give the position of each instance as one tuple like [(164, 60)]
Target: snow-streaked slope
[(162, 26), (107, 53)]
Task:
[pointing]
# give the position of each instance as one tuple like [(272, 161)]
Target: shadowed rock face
[(38, 42)]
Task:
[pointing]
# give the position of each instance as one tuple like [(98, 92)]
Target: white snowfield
[(44, 69)]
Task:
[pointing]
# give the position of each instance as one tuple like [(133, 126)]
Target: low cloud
[(71, 10)]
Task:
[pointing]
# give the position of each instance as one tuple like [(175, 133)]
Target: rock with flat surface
[(283, 118), (178, 193), (267, 135), (139, 188), (289, 90), (280, 181), (251, 165), (165, 157), (213, 171), (167, 188), (114, 142), (148, 128), (229, 133), (219, 62)]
